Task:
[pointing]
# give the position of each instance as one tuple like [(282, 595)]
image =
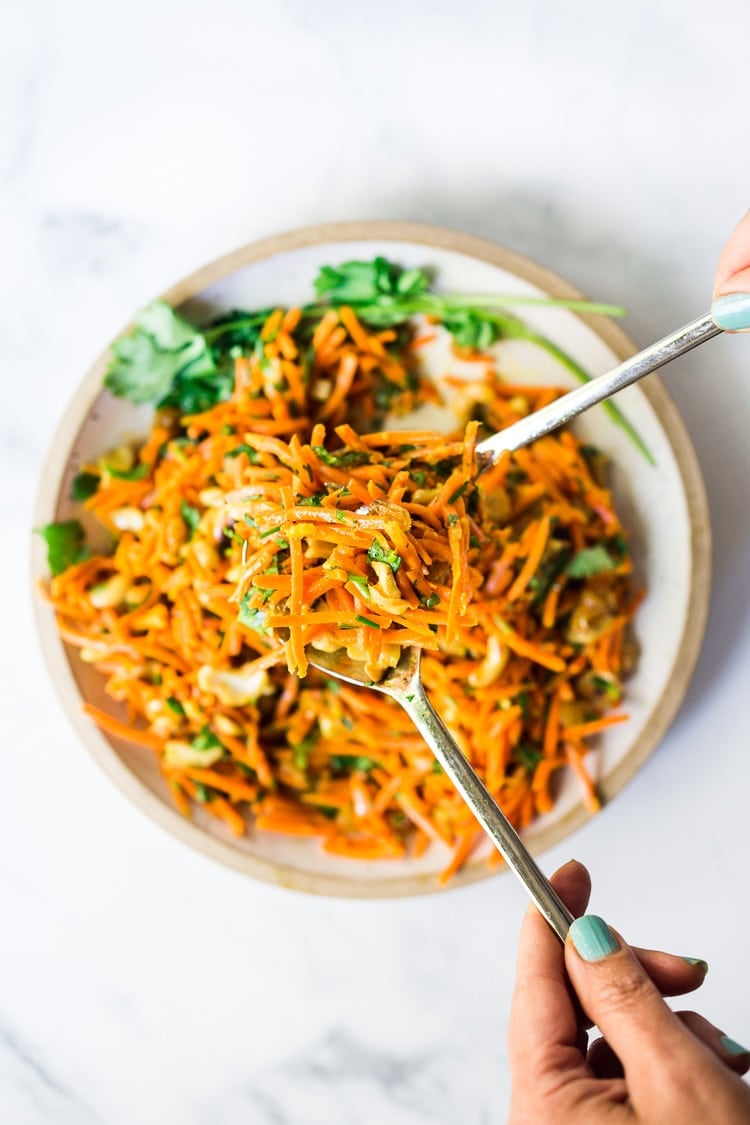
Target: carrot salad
[(285, 518)]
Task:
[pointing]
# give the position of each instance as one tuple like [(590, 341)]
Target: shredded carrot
[(292, 517)]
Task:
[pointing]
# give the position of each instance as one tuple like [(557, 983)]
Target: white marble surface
[(138, 982)]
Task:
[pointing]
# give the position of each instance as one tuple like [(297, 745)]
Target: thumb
[(731, 306), (619, 996)]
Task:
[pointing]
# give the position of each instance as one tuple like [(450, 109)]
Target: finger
[(672, 975), (731, 300), (543, 1017), (619, 996), (732, 1054), (734, 260), (604, 1063), (602, 1060)]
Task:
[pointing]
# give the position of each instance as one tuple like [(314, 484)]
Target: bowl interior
[(662, 505)]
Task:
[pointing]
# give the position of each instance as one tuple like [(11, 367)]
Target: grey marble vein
[(34, 1089)]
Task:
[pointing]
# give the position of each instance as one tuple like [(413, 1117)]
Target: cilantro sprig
[(65, 544)]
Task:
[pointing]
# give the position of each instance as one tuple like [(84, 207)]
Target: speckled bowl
[(664, 506)]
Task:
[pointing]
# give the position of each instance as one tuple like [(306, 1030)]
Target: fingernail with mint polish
[(592, 938), (732, 312), (732, 1047), (693, 961)]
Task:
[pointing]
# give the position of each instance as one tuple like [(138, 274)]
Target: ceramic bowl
[(663, 505)]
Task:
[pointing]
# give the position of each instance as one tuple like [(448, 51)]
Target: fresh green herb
[(377, 553), (330, 812), (430, 601), (342, 763), (175, 706), (252, 617), (138, 472), (84, 486), (206, 740), (606, 687), (618, 547), (333, 685), (271, 531), (452, 520), (341, 460), (419, 476), (410, 698), (301, 751), (243, 448), (366, 621), (436, 767), (191, 515), (161, 347), (376, 289), (459, 492), (361, 583), (523, 701), (590, 561), (312, 501), (553, 564), (341, 516), (347, 722), (528, 756), (65, 544), (204, 793)]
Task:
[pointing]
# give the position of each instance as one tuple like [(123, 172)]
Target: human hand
[(652, 1066), (731, 301)]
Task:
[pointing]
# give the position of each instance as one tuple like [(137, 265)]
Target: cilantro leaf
[(377, 553), (161, 347), (65, 544), (84, 486), (253, 618), (206, 740), (138, 472), (590, 561), (528, 756), (341, 459), (353, 283), (472, 328), (204, 793), (301, 751), (244, 448), (341, 763), (190, 514)]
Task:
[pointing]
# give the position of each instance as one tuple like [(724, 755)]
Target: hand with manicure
[(652, 1065)]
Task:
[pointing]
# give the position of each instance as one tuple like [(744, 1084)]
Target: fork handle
[(565, 409), (485, 808)]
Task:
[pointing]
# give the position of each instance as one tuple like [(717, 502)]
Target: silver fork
[(404, 682)]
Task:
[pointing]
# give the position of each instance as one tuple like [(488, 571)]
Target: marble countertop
[(138, 981)]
